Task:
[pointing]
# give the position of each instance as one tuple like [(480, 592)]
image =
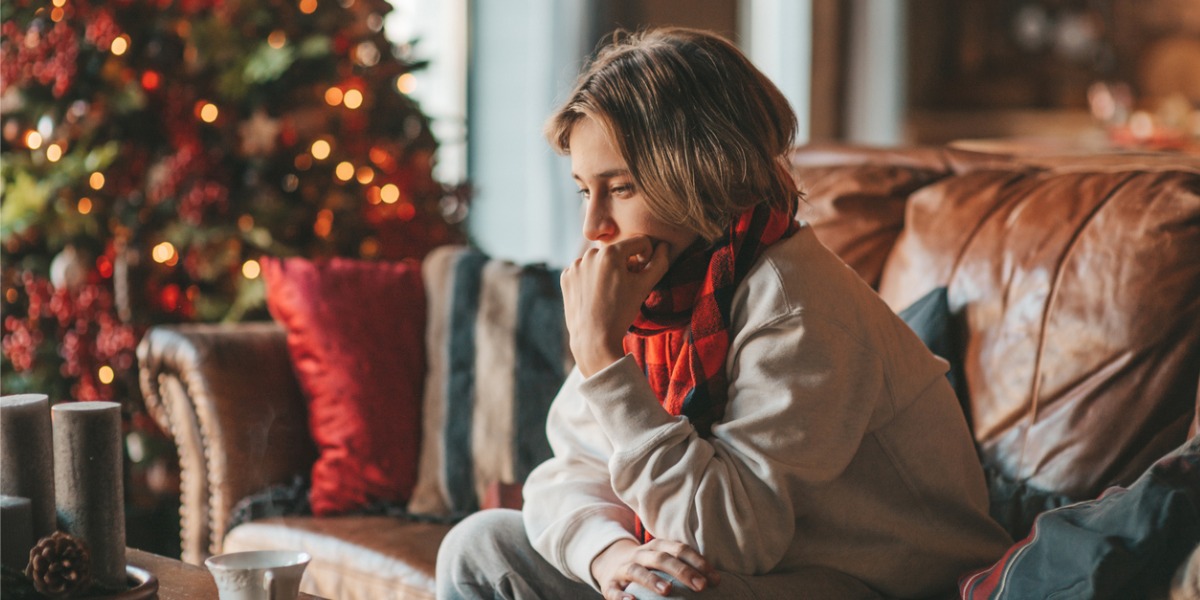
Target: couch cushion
[(1081, 294), (497, 346), (857, 208), (353, 557), (363, 388)]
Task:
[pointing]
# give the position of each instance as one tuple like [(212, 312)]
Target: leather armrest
[(229, 397)]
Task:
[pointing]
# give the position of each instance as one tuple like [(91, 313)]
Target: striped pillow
[(497, 353)]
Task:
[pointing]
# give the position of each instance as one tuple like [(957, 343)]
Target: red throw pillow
[(356, 336)]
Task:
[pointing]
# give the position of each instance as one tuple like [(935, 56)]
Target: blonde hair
[(705, 134)]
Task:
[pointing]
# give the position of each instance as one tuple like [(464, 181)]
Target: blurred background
[(154, 150)]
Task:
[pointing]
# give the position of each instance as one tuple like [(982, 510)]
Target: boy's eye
[(585, 193), (622, 190)]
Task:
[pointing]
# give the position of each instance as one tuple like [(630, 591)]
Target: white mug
[(258, 574)]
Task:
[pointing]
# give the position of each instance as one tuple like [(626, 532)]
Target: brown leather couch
[(1076, 281)]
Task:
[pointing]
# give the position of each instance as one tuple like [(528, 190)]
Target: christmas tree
[(153, 150)]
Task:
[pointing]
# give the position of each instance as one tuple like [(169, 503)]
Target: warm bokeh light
[(333, 96), (163, 252), (251, 269), (365, 175), (368, 248), (57, 14), (303, 163), (321, 149), (209, 112), (373, 194), (353, 99), (11, 294), (406, 83), (120, 45), (308, 7), (96, 180), (344, 171), (389, 193), (84, 206), (54, 152), (1141, 124), (406, 211), (33, 139), (105, 374), (324, 223), (277, 39), (150, 80), (246, 223)]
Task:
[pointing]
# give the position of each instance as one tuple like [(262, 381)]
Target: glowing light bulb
[(344, 171), (209, 112), (365, 175), (406, 83), (277, 39), (163, 252), (105, 374), (85, 205), (353, 99), (321, 149), (389, 193), (333, 96), (308, 7), (33, 139), (120, 45), (251, 269), (96, 180)]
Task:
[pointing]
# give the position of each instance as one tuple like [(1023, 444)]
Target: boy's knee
[(480, 545)]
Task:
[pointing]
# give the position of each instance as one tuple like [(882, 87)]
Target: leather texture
[(353, 557), (229, 397), (1078, 279)]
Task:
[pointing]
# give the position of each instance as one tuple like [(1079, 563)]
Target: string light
[(11, 294), (321, 149), (353, 99), (120, 45), (406, 83), (105, 374), (373, 194), (150, 80), (344, 171), (308, 7), (365, 175), (251, 269), (96, 180), (324, 223), (33, 139), (59, 3), (57, 14), (406, 211), (333, 96), (163, 252), (389, 193), (53, 152), (277, 39), (85, 205), (209, 112)]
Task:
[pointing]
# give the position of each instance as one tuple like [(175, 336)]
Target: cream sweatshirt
[(842, 446)]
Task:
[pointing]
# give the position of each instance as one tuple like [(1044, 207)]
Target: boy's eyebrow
[(605, 175)]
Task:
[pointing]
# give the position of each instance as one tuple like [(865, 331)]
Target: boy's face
[(614, 208)]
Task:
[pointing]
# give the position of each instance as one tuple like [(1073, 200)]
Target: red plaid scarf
[(681, 338)]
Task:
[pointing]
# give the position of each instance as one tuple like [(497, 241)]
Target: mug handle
[(269, 584)]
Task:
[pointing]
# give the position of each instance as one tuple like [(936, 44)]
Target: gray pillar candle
[(88, 483), (16, 521), (27, 457)]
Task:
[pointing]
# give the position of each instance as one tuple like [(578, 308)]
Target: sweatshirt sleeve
[(571, 512), (802, 393)]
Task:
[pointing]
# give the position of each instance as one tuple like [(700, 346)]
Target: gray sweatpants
[(488, 556)]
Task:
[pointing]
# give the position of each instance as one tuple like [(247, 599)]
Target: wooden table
[(179, 580)]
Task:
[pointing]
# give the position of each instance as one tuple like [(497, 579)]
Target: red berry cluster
[(83, 320), (45, 52)]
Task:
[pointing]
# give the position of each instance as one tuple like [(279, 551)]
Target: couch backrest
[(1077, 281)]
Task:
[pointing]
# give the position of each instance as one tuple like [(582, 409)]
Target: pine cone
[(59, 565)]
